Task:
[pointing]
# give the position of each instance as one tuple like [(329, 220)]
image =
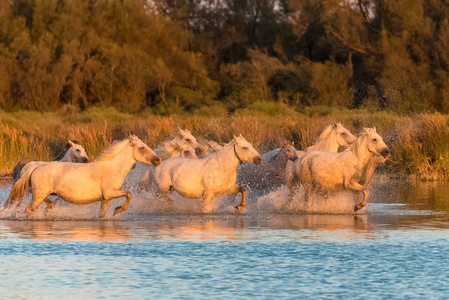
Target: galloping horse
[(326, 172), (73, 152), (208, 177), (331, 138), (169, 150), (100, 180)]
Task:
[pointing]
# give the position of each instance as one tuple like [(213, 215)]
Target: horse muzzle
[(156, 161), (82, 160), (199, 152), (385, 153), (257, 160), (293, 158)]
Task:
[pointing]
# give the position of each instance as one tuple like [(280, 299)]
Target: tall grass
[(419, 144)]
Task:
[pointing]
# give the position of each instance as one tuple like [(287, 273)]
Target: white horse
[(184, 136), (325, 172), (173, 147), (207, 177), (209, 147), (331, 138), (169, 150), (73, 152), (271, 173), (100, 180)]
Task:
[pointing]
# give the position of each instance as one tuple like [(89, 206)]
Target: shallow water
[(396, 248)]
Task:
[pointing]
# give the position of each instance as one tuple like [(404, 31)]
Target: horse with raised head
[(208, 177), (271, 173), (325, 172), (73, 152), (100, 180)]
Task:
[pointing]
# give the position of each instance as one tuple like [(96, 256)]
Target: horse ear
[(70, 144), (132, 140), (334, 125), (374, 129), (181, 132), (293, 143)]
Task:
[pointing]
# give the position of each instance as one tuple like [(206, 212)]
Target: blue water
[(397, 249)]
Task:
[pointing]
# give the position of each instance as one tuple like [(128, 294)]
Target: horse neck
[(327, 143), (227, 159), (67, 156), (121, 163), (360, 150)]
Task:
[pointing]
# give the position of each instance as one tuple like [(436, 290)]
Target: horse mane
[(113, 150), (325, 133), (64, 151)]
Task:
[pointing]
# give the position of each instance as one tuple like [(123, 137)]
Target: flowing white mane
[(325, 134), (113, 150)]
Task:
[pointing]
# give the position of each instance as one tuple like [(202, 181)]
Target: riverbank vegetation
[(419, 143), (171, 57)]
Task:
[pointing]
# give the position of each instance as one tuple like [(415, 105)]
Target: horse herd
[(202, 170)]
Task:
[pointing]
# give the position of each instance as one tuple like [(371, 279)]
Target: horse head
[(245, 151), (77, 152), (344, 136), (186, 151), (187, 137), (143, 153), (290, 150), (376, 144)]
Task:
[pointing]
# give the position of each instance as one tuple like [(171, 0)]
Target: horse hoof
[(239, 207), (118, 210), (357, 207)]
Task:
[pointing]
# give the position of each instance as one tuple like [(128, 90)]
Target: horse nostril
[(258, 161), (156, 161), (198, 151), (385, 152)]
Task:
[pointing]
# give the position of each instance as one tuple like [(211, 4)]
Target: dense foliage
[(182, 55)]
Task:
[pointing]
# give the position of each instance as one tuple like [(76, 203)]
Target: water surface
[(396, 248)]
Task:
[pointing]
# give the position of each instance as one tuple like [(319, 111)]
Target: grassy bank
[(419, 143)]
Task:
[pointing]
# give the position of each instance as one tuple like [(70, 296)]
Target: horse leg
[(38, 198), (206, 203), (109, 195), (363, 203), (125, 205), (104, 208), (239, 189), (358, 187), (165, 195), (50, 205)]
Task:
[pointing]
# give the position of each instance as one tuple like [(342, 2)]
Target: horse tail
[(20, 188), (16, 173)]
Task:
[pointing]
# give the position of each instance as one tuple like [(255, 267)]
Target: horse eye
[(374, 140), (142, 148), (344, 133), (188, 140), (245, 148), (78, 150), (186, 152)]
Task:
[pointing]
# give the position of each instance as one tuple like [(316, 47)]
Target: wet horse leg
[(50, 204), (37, 200), (206, 203), (239, 189), (352, 185), (112, 194)]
